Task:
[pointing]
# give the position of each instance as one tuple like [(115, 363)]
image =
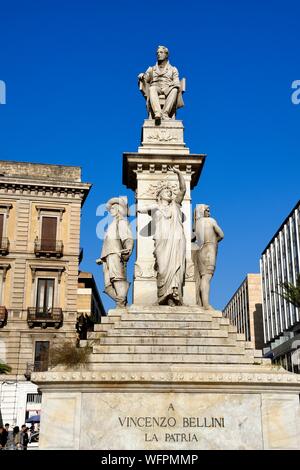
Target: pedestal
[(169, 379), (162, 146)]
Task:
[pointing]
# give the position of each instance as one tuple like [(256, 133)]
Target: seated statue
[(116, 250), (207, 234), (162, 88)]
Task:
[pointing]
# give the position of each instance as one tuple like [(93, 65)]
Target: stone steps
[(101, 358), (155, 325), (165, 332), (166, 335), (164, 309), (166, 349), (162, 340), (159, 317)]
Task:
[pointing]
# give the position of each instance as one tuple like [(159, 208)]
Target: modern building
[(244, 310), (41, 289), (280, 262)]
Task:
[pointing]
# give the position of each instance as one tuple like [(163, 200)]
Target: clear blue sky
[(70, 68)]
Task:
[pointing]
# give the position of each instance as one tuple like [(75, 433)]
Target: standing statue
[(116, 250), (169, 241), (208, 234), (161, 87)]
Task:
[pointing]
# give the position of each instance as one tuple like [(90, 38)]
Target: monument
[(168, 371)]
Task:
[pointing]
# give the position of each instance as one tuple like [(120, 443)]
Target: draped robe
[(169, 251)]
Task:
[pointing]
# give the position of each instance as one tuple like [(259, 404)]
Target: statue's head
[(117, 206), (164, 192), (201, 210), (162, 53), (166, 195)]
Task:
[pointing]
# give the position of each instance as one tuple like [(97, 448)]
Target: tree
[(4, 368), (291, 292)]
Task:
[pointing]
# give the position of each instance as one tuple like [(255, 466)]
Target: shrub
[(68, 354)]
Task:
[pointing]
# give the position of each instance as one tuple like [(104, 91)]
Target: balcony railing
[(3, 316), (34, 397), (44, 247), (44, 317), (37, 366), (4, 246)]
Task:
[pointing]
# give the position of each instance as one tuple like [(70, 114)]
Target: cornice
[(19, 186)]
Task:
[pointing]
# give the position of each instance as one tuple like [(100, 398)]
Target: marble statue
[(207, 235), (161, 87), (169, 241), (116, 250)]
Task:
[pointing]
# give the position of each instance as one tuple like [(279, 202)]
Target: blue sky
[(70, 69)]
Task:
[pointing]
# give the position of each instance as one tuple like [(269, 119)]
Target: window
[(48, 233), (45, 295), (41, 356)]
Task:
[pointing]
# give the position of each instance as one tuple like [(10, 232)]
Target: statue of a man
[(161, 80), (169, 241), (116, 250), (207, 234)]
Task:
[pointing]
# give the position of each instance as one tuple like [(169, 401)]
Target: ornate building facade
[(40, 209)]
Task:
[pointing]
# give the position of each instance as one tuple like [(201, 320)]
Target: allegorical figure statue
[(116, 250), (161, 87), (207, 234), (169, 242)]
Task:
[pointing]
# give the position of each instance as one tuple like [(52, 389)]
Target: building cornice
[(31, 187)]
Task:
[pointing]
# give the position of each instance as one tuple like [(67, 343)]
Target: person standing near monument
[(207, 234), (116, 250), (169, 241), (161, 80)]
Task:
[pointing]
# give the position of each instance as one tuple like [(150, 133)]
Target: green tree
[(4, 368), (290, 292)]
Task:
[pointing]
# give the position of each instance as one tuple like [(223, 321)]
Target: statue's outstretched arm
[(182, 185)]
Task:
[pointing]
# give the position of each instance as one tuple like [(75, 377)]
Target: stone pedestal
[(162, 146), (164, 139), (170, 378)]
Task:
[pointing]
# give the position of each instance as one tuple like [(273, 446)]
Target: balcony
[(44, 318), (48, 248), (4, 246), (3, 316)]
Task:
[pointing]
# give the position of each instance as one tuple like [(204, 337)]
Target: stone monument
[(207, 234), (165, 372), (117, 248)]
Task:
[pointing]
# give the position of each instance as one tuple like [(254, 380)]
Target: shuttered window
[(49, 229)]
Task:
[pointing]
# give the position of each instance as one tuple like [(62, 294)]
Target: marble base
[(101, 410)]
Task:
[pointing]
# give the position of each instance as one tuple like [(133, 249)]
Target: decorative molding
[(249, 380), (164, 135), (6, 207), (43, 190), (46, 267), (61, 210)]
